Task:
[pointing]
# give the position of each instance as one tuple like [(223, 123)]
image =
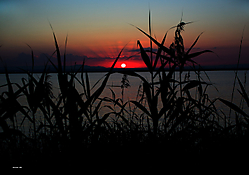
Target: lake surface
[(221, 81)]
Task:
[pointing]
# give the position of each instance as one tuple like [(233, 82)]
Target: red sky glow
[(98, 30)]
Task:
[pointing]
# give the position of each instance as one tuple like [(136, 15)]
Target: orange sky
[(98, 30)]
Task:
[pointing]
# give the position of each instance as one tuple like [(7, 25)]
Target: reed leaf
[(113, 94), (116, 102), (192, 84), (167, 105), (65, 54), (234, 107), (87, 86), (243, 93), (4, 124), (49, 59), (141, 107), (158, 54), (10, 89), (144, 56), (57, 114), (193, 44), (57, 51), (165, 49), (32, 56), (190, 56)]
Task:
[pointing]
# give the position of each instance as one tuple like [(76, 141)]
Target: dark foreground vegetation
[(172, 122)]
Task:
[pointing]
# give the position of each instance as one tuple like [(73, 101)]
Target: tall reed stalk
[(236, 73), (176, 57)]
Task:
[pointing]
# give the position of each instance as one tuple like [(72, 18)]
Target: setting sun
[(123, 65)]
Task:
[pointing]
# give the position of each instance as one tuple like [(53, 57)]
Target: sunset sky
[(97, 30)]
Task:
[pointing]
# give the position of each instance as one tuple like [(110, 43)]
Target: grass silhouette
[(171, 117)]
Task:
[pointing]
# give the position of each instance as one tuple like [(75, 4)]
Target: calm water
[(222, 80)]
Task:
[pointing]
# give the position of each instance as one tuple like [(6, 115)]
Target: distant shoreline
[(123, 70)]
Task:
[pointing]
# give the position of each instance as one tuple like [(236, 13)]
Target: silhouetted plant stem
[(236, 74), (34, 128), (155, 119), (180, 77)]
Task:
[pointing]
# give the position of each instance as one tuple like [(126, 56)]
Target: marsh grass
[(171, 116)]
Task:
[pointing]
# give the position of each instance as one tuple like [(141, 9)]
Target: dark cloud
[(75, 57), (24, 59), (134, 50), (138, 50)]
